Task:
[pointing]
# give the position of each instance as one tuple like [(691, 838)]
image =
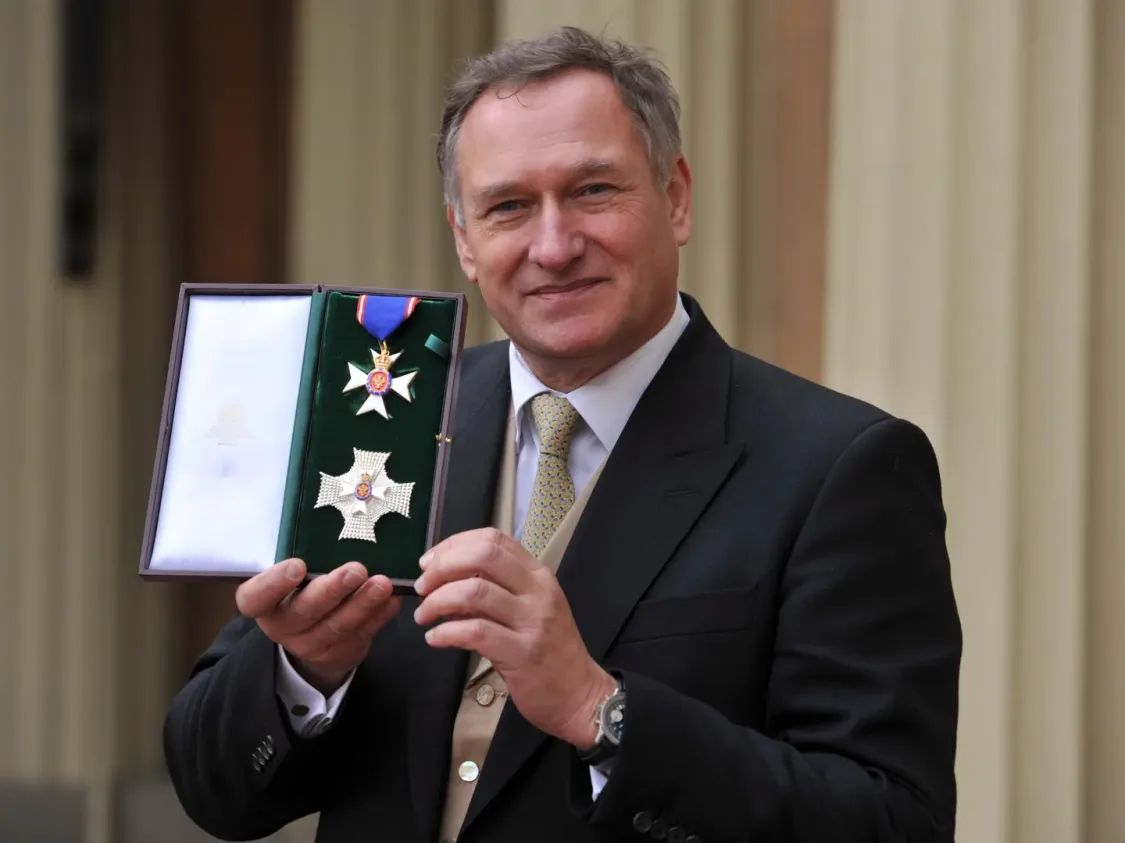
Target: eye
[(505, 207), (595, 189)]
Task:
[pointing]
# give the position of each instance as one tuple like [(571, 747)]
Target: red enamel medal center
[(363, 488), (379, 382)]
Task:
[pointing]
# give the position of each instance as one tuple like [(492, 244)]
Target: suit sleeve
[(860, 736), (238, 769)]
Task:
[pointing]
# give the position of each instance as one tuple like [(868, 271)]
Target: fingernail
[(353, 578), (417, 614), (420, 583), (425, 560), (430, 636), (293, 571)]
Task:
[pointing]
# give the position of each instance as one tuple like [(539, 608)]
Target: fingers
[(358, 616), (263, 593), (321, 596), (472, 597), (477, 634), (381, 616), (484, 553)]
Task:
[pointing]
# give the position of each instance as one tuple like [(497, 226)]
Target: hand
[(500, 601), (326, 628)]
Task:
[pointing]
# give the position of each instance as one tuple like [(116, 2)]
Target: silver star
[(379, 381), (364, 494)]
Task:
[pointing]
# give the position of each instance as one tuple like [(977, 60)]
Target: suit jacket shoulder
[(802, 425), (764, 397)]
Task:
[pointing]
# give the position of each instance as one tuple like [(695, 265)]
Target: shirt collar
[(605, 402)]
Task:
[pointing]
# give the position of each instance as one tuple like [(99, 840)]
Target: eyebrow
[(583, 169)]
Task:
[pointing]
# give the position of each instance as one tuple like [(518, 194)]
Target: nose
[(555, 243)]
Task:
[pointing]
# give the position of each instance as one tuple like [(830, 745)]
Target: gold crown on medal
[(382, 360)]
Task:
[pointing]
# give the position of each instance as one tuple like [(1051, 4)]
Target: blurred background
[(921, 202)]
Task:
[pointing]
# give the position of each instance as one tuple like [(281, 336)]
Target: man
[(682, 594)]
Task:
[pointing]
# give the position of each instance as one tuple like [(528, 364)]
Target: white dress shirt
[(605, 404)]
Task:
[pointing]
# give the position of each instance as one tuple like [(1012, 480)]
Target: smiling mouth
[(563, 290)]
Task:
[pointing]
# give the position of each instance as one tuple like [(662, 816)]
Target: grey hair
[(642, 83)]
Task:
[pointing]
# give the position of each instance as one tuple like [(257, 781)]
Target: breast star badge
[(364, 494), (379, 381)]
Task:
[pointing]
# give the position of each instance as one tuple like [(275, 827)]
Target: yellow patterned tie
[(553, 493)]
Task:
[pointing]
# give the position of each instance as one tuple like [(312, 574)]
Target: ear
[(464, 251), (679, 199)]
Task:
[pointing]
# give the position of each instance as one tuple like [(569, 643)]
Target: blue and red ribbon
[(381, 315)]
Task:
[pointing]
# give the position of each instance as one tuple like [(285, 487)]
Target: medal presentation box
[(303, 421)]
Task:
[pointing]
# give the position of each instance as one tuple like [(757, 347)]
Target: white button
[(486, 694), (468, 771)]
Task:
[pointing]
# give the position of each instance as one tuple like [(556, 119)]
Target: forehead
[(546, 126)]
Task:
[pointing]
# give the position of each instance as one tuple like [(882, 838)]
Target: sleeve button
[(659, 829), (642, 822), (676, 835)]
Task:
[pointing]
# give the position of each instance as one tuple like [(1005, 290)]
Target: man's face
[(573, 244)]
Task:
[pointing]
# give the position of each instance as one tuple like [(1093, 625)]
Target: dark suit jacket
[(765, 561)]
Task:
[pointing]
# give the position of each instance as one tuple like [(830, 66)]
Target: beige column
[(82, 373), (1054, 422), (366, 203), (31, 634), (1105, 655), (958, 295), (889, 342)]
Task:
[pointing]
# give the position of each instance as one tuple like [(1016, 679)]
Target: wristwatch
[(610, 719)]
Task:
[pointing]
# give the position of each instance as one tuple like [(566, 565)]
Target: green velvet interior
[(409, 436), (302, 419)]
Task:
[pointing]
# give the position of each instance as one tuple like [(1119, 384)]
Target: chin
[(570, 339)]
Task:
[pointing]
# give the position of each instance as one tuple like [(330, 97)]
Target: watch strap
[(599, 754)]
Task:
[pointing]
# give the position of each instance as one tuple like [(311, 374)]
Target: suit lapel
[(479, 423), (437, 675), (670, 461)]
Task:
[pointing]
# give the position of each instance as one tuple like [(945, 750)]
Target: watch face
[(613, 718)]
